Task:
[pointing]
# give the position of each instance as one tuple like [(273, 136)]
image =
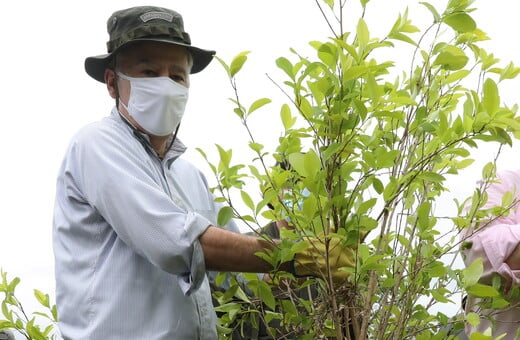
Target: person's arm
[(497, 244), (228, 251)]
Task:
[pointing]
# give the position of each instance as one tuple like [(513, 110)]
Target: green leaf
[(19, 323), (305, 108), (203, 154), (472, 273), (439, 297), (378, 185), (327, 55), (231, 308), (248, 218), (430, 176), (433, 11), (423, 214), (489, 170), (306, 165), (48, 331), (12, 285), (239, 112), (5, 311), (473, 319), (362, 33), (299, 246), (329, 3), (366, 205), (460, 22), (285, 65), (458, 75), (502, 136), (258, 104), (223, 63), (4, 324), (257, 147), (225, 157), (509, 72), (401, 26), (265, 293), (390, 190), (385, 158), (499, 303), (451, 58), (242, 295), (374, 90), (42, 298), (225, 214), (354, 72), (247, 199), (482, 291), (237, 63), (45, 315), (491, 100), (402, 37), (54, 311), (287, 119), (464, 163)]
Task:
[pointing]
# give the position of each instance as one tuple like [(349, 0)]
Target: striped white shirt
[(128, 262)]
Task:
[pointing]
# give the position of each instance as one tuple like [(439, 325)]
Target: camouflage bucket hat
[(145, 23)]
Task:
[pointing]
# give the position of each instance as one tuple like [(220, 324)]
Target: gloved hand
[(312, 260)]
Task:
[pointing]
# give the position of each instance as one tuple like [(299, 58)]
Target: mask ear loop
[(116, 86), (116, 89), (118, 97)]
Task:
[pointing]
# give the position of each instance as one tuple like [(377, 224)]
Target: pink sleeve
[(495, 243)]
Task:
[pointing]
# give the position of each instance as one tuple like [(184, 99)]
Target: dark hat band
[(163, 31)]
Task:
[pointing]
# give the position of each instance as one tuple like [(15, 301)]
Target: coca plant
[(373, 144), (38, 325)]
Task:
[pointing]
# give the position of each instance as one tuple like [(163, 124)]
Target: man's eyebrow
[(174, 67), (179, 68)]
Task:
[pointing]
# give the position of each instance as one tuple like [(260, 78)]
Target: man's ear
[(111, 81)]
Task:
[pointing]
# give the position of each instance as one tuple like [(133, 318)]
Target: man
[(135, 224)]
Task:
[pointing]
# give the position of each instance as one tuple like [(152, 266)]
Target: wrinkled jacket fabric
[(494, 244), (128, 262)]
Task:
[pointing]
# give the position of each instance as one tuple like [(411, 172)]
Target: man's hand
[(314, 259)]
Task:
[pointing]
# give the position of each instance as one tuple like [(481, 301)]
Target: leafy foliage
[(14, 316), (374, 146)]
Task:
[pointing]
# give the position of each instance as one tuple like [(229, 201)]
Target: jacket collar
[(176, 149)]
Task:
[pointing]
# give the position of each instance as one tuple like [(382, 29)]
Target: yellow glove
[(312, 261)]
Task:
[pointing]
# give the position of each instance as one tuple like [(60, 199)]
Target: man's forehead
[(143, 46), (149, 52)]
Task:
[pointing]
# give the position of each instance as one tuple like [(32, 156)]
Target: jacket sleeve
[(104, 170)]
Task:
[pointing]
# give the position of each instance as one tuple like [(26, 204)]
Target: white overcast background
[(46, 95)]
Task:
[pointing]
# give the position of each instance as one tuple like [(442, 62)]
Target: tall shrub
[(374, 144)]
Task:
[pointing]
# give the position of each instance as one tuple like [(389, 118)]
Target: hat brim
[(95, 66)]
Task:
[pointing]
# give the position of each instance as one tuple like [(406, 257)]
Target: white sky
[(47, 95)]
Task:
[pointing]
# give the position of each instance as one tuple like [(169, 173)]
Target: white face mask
[(157, 103)]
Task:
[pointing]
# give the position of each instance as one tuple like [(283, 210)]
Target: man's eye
[(178, 79), (149, 73)]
